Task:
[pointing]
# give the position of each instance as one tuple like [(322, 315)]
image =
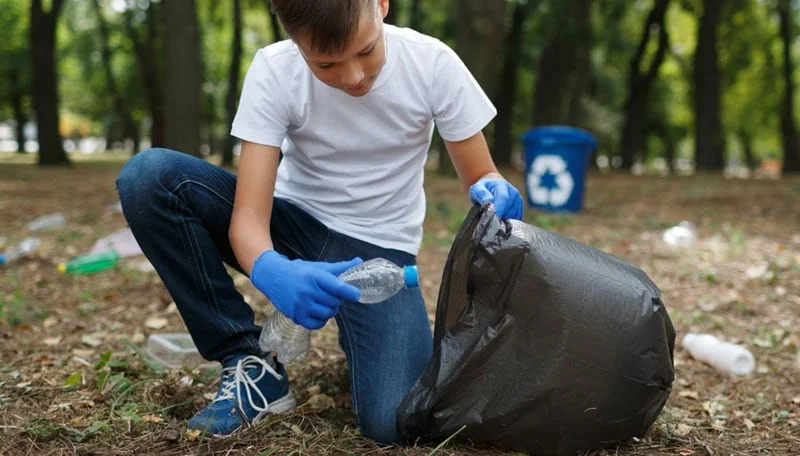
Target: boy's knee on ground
[(380, 424)]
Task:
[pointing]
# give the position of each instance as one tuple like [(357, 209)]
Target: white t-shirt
[(356, 164)]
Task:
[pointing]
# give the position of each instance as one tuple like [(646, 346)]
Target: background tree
[(233, 80), (564, 66), (15, 55), (709, 137), (45, 82), (479, 39), (147, 47), (640, 81), (129, 128), (506, 92), (791, 148), (182, 72)]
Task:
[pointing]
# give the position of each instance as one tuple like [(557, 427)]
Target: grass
[(74, 380)]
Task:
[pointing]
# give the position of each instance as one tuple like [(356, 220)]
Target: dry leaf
[(193, 435), (750, 425), (49, 322), (156, 322), (682, 430), (152, 419), (52, 341), (296, 429), (689, 395), (91, 341)]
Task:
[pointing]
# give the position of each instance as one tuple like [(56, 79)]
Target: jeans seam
[(324, 248), (175, 201), (354, 374)]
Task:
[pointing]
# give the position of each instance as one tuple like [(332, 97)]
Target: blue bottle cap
[(411, 276), (2, 259)]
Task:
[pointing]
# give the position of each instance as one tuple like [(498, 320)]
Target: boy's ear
[(383, 6)]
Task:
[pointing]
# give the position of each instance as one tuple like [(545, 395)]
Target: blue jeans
[(179, 209)]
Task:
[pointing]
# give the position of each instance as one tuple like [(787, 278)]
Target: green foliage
[(749, 54)]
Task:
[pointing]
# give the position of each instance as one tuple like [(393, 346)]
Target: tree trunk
[(16, 104), (559, 65), (129, 128), (640, 83), (45, 83), (146, 58), (791, 149), (479, 40), (747, 148), (277, 33), (415, 18), (233, 81), (709, 139), (391, 16), (183, 69), (506, 91)]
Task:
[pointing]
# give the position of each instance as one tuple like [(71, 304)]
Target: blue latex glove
[(504, 196), (308, 292)]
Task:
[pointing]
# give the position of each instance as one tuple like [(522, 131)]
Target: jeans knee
[(139, 178), (380, 425)]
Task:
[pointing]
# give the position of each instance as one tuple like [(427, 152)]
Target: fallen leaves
[(156, 322)]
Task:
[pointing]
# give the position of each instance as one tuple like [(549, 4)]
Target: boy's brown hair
[(330, 24)]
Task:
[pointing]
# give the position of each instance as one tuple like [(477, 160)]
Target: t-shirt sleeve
[(262, 116), (461, 108)]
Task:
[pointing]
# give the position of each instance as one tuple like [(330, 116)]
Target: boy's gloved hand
[(308, 292), (504, 196)]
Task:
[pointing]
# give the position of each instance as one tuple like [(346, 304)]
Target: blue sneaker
[(250, 388)]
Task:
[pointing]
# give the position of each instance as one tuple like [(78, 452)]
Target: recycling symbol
[(543, 194)]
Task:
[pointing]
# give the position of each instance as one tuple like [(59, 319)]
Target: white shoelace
[(232, 388)]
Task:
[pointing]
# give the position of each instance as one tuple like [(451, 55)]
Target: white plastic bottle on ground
[(378, 280), (724, 356), (48, 222), (19, 250)]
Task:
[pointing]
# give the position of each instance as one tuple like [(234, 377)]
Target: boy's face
[(355, 69)]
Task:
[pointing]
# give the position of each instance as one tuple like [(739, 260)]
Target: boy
[(351, 104)]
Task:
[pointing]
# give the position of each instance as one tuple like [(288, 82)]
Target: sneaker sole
[(285, 404)]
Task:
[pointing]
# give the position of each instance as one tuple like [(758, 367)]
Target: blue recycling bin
[(556, 162)]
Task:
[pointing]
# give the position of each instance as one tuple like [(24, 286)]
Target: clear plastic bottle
[(48, 222), (21, 249), (90, 263), (724, 356), (378, 280)]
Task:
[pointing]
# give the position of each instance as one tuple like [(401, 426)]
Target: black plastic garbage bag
[(542, 344)]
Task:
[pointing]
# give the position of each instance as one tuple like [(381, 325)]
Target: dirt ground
[(73, 379)]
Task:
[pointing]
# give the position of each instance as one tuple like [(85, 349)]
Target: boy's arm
[(308, 292), (479, 175), (472, 160), (252, 208)]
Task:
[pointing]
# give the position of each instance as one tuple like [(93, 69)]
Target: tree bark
[(16, 104), (709, 139), (146, 58), (560, 63), (183, 69), (233, 81), (129, 128), (747, 148), (640, 83), (791, 149), (507, 89), (479, 40), (415, 18), (391, 16), (45, 83)]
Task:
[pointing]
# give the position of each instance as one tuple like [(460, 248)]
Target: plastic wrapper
[(542, 344)]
